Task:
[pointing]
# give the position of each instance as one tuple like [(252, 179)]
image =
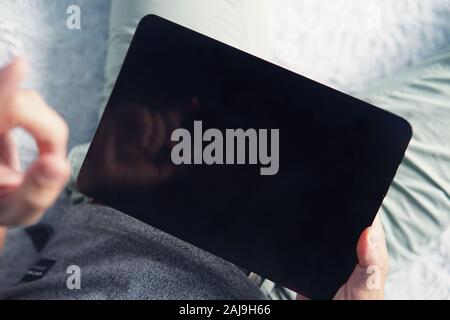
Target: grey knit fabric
[(119, 258)]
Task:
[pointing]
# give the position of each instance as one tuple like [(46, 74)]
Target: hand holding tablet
[(329, 158)]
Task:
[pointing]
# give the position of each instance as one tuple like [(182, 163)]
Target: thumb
[(368, 277), (371, 248), (368, 248), (41, 186)]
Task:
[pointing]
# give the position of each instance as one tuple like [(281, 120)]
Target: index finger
[(25, 108), (28, 110), (10, 78), (44, 180)]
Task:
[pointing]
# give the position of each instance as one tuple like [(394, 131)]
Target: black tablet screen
[(251, 162)]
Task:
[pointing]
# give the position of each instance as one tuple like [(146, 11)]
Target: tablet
[(251, 162)]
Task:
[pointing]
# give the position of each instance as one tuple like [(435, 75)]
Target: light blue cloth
[(417, 207)]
